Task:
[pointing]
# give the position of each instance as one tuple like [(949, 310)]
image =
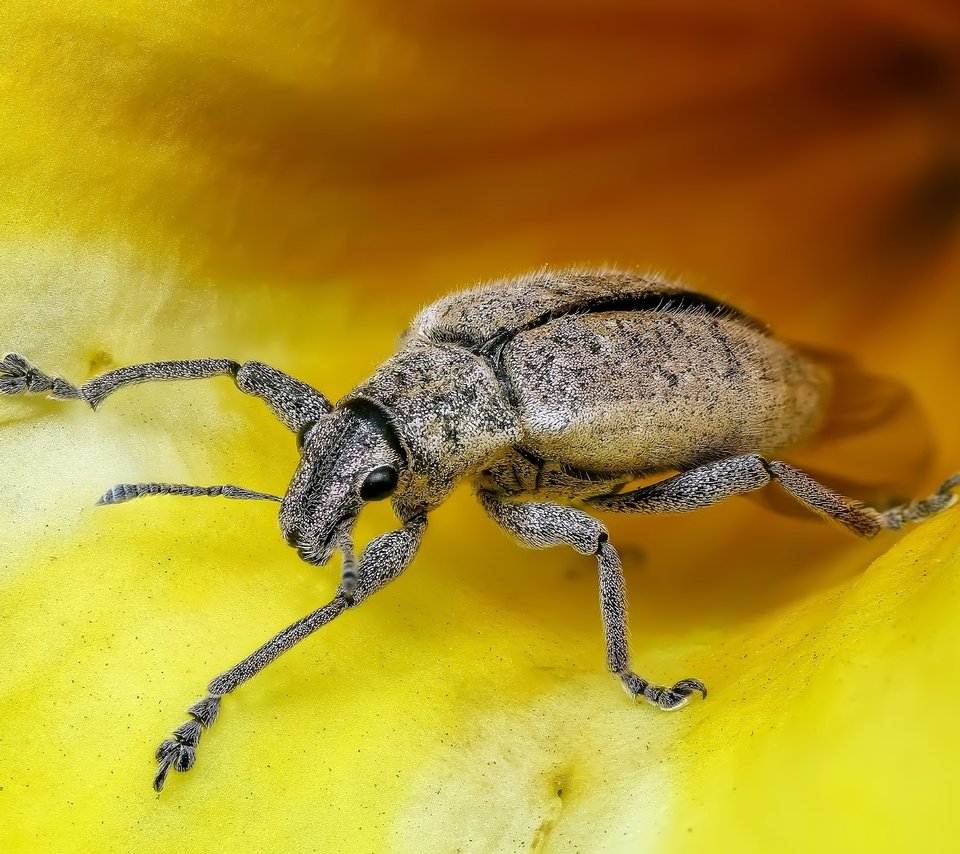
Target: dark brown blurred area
[(790, 147), (816, 139)]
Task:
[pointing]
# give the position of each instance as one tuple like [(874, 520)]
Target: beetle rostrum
[(542, 391)]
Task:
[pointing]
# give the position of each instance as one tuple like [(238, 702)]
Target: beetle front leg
[(541, 525), (382, 561), (292, 401)]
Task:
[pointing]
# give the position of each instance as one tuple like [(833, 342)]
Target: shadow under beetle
[(551, 387)]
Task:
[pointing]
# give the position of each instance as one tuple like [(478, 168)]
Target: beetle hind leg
[(17, 375), (860, 519), (713, 482)]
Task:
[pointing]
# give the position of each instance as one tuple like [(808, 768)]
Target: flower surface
[(259, 181)]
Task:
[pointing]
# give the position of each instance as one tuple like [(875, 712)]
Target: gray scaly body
[(544, 390)]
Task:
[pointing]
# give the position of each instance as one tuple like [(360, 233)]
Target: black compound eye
[(380, 483), (302, 433)]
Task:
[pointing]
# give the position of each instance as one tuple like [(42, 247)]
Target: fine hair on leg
[(292, 401), (544, 524), (862, 520), (713, 482), (382, 561)]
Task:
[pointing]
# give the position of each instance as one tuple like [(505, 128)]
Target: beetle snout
[(310, 548), (315, 532), (310, 554)]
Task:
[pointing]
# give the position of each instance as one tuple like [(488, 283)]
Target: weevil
[(553, 394)]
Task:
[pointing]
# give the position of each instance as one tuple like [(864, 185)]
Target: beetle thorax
[(450, 415)]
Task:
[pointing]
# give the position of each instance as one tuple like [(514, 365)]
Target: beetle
[(549, 390)]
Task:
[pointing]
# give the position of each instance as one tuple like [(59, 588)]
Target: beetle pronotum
[(546, 389)]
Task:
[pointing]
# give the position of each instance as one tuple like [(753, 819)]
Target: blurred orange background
[(800, 159)]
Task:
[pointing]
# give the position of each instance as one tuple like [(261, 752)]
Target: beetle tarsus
[(180, 750), (916, 511), (668, 699), (18, 375), (671, 699)]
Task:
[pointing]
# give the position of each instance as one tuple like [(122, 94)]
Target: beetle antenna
[(127, 491)]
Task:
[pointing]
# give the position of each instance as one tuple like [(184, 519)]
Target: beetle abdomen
[(657, 389)]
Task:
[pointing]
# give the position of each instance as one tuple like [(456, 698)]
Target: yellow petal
[(220, 180)]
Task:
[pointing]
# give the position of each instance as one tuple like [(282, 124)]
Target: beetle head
[(348, 457)]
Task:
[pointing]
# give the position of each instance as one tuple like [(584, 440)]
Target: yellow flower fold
[(269, 182)]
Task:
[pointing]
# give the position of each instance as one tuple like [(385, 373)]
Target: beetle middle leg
[(384, 558), (541, 524)]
